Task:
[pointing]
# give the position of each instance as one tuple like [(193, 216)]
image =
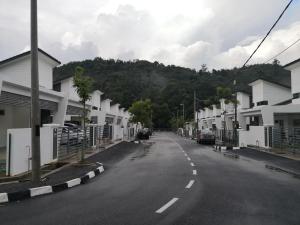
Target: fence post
[(68, 139)]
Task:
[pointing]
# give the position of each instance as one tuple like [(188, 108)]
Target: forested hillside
[(166, 86)]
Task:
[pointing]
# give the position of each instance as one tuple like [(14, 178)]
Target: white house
[(15, 101), (294, 67), (72, 107), (274, 118), (15, 92), (58, 103), (268, 117)]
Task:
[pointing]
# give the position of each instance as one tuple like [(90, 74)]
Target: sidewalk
[(271, 159), (116, 152)]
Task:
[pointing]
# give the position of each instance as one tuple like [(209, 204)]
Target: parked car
[(143, 134), (71, 134), (206, 137), (148, 131)]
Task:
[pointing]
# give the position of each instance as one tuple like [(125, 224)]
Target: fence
[(286, 139), (70, 140), (227, 137)]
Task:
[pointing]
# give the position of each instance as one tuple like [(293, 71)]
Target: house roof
[(25, 54), (280, 83), (292, 63)]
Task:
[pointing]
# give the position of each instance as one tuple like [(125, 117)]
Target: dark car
[(143, 134), (206, 137)]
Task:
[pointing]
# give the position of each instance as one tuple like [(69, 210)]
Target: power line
[(283, 51), (268, 33)]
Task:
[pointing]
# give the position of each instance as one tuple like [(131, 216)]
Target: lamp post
[(177, 119), (235, 113), (35, 106)]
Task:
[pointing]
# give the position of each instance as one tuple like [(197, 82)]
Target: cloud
[(221, 34), (275, 43)]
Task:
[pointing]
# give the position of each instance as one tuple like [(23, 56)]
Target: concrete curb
[(219, 147), (296, 175), (43, 190), (235, 156)]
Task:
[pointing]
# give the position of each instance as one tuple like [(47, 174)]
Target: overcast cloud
[(221, 34)]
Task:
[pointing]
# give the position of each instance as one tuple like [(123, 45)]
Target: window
[(57, 87), (94, 119), (95, 108), (254, 121), (2, 112), (265, 102), (296, 95)]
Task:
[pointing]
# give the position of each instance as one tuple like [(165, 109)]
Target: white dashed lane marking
[(188, 158), (190, 184), (163, 208), (194, 172), (192, 164)]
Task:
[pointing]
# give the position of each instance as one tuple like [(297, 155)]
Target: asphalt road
[(169, 180)]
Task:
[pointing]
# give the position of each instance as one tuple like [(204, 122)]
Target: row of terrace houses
[(268, 116), (59, 102)]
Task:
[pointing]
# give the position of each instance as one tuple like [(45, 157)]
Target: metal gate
[(227, 137), (71, 141), (286, 139)]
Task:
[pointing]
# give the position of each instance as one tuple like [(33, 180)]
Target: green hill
[(167, 86)]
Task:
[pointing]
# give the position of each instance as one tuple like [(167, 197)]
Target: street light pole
[(35, 107), (177, 119), (235, 113), (196, 112)]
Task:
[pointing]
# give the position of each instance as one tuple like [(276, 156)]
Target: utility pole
[(196, 112), (177, 119), (35, 106), (235, 113), (195, 105)]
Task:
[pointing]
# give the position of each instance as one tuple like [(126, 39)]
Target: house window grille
[(266, 136), (270, 137)]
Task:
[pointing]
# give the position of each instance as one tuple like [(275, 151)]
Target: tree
[(141, 111), (161, 114), (176, 122), (224, 92), (276, 62), (203, 68), (130, 81), (83, 85)]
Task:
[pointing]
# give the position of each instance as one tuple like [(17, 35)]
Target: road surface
[(169, 181)]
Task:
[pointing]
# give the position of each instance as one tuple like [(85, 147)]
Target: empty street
[(155, 183)]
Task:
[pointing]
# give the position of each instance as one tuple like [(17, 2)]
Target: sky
[(189, 33)]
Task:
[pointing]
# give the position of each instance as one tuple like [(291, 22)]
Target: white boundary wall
[(255, 136), (18, 151)]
